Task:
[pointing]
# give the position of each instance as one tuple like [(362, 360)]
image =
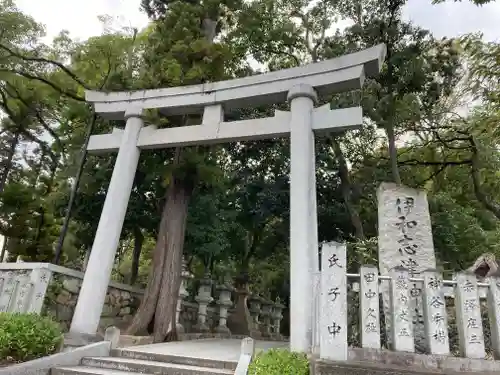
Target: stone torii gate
[(300, 86)]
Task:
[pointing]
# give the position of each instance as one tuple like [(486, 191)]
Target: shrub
[(24, 337), (279, 362)]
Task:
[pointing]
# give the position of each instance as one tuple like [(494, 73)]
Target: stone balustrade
[(53, 290), (460, 320)]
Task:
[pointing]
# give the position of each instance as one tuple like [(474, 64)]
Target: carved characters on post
[(369, 306), (405, 224), (436, 324), (40, 279), (7, 291), (333, 319), (405, 240), (402, 328), (469, 324)]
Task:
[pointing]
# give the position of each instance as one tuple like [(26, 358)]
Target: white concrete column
[(314, 251), (303, 242), (313, 214), (97, 275)]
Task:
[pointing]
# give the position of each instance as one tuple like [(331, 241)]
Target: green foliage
[(279, 362), (24, 337)]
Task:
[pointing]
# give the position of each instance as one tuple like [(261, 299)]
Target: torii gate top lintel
[(340, 74)]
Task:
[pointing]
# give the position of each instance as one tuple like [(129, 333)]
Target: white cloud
[(456, 18), (81, 18)]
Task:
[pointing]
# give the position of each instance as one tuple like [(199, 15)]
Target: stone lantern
[(277, 315), (203, 299), (183, 294), (266, 313), (255, 303), (224, 302)]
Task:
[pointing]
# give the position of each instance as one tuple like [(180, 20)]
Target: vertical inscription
[(369, 305), (7, 291), (23, 292), (402, 327), (405, 240), (436, 323), (469, 324), (333, 319), (406, 225), (40, 278)]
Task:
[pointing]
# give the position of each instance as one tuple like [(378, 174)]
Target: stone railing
[(53, 290), (455, 320)]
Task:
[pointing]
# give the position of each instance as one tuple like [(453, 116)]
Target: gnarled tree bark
[(160, 297), (7, 164), (138, 241), (345, 185)]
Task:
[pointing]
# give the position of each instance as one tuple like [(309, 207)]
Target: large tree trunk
[(160, 297), (4, 248), (7, 165), (389, 120), (138, 241), (393, 153), (147, 308), (176, 226), (345, 185)]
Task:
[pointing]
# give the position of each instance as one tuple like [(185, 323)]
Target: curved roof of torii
[(340, 74)]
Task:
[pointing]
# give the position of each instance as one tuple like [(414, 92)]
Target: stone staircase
[(127, 361)]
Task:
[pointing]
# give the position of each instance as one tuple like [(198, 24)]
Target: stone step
[(150, 367), (82, 370), (174, 359), (140, 368)]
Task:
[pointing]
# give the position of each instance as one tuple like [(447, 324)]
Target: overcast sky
[(80, 18)]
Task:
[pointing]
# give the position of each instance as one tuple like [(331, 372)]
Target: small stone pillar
[(183, 294), (255, 303), (224, 303), (203, 298), (266, 313), (277, 315)]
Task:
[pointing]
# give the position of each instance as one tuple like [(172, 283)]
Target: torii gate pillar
[(95, 286), (303, 240)]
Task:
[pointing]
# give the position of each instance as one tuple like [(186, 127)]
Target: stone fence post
[(23, 286)]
